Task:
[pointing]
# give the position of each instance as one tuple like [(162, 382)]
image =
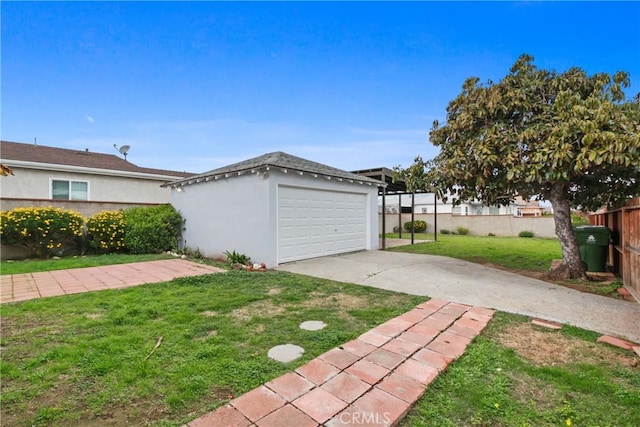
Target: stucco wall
[(86, 209), (481, 225), (36, 184), (240, 213), (229, 214)]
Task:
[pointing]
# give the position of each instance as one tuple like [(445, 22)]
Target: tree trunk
[(572, 266)]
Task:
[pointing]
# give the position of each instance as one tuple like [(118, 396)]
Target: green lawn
[(35, 265), (88, 359), (516, 374), (511, 252), (80, 359)]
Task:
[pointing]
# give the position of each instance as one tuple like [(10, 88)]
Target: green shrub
[(578, 220), (152, 229), (462, 230), (47, 231), (526, 234), (237, 258), (419, 226), (106, 231), (444, 231)]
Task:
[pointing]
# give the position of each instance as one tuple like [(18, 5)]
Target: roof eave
[(205, 177), (84, 169)]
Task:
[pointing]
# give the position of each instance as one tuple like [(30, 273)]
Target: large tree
[(569, 138)]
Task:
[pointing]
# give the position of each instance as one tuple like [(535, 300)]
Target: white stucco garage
[(278, 208)]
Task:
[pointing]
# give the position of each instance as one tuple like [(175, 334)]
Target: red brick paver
[(346, 386), (433, 358), (290, 386), (617, 342), (386, 359), (372, 380), (318, 371), (374, 338), (403, 348), (367, 371), (358, 347), (225, 416), (402, 387), (258, 403), (287, 416), (382, 405), (339, 358), (21, 287), (320, 405), (546, 324)]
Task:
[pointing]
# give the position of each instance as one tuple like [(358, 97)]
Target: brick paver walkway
[(20, 287), (373, 380)]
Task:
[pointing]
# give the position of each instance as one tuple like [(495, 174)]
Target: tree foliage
[(416, 177), (537, 130), (566, 137)]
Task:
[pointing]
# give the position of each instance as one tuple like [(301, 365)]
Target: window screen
[(69, 190)]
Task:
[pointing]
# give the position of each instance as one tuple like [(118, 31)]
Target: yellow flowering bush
[(45, 230), (419, 226), (106, 231)]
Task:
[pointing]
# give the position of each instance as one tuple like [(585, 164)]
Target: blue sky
[(197, 85)]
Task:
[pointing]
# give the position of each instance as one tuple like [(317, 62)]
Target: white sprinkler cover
[(313, 325), (285, 353)]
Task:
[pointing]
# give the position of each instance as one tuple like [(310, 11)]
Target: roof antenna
[(123, 150)]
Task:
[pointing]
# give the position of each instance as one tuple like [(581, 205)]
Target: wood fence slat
[(624, 253)]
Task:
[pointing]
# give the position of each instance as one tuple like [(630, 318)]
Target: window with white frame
[(69, 190)]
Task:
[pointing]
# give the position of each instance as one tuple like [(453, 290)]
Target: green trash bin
[(593, 242)]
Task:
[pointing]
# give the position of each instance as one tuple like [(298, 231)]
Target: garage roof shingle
[(281, 160)]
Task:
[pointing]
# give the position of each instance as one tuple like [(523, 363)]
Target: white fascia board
[(83, 169), (208, 177)]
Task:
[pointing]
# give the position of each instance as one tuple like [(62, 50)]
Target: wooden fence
[(624, 253)]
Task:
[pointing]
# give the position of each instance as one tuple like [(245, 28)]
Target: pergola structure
[(396, 187)]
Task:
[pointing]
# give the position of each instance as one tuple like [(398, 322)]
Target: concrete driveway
[(474, 284)]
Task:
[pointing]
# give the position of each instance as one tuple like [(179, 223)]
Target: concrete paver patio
[(21, 287)]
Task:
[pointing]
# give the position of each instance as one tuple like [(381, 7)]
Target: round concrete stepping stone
[(285, 353), (312, 325)]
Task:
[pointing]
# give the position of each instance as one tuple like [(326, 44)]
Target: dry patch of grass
[(209, 313), (262, 308), (342, 302), (94, 316), (518, 374), (528, 389), (208, 335), (550, 348)]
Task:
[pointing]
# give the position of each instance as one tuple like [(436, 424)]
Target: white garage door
[(313, 223)]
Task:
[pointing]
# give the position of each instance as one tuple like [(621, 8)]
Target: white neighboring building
[(424, 204), (278, 208)]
